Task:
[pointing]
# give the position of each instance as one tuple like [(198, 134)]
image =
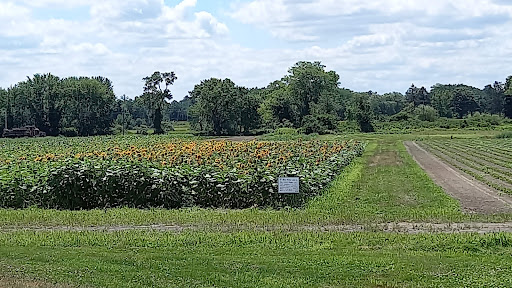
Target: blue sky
[(382, 46)]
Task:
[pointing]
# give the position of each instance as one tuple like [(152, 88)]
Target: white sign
[(289, 185)]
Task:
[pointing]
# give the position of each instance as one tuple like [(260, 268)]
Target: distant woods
[(308, 98), (75, 106)]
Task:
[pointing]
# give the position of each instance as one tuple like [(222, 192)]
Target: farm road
[(474, 196)]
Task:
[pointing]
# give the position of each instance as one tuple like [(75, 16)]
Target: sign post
[(290, 186)]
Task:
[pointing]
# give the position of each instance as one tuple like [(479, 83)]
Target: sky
[(382, 46)]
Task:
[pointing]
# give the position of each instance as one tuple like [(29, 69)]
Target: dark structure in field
[(27, 131)]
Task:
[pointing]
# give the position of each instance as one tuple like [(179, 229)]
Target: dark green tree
[(278, 108), (310, 85), (464, 103), (418, 96), (87, 105), (362, 112), (218, 105), (508, 98), (494, 96), (155, 96), (388, 104)]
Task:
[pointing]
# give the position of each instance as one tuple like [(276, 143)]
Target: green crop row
[(175, 174)]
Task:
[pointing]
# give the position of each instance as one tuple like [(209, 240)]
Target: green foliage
[(508, 105), (494, 96), (426, 113), (505, 135), (362, 113), (442, 98), (320, 124), (307, 90), (51, 103), (348, 127), (168, 174), (465, 101), (286, 131), (69, 132), (222, 108), (154, 97), (87, 105), (417, 96), (388, 104)]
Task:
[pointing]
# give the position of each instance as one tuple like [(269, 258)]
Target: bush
[(319, 124), (347, 127), (69, 132), (167, 126), (484, 120), (505, 135), (426, 113), (286, 131)]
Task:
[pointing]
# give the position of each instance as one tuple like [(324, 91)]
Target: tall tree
[(310, 85), (278, 107), (442, 99), (494, 96), (464, 102), (3, 104), (155, 96), (217, 106), (418, 96), (508, 98), (362, 112), (87, 106)]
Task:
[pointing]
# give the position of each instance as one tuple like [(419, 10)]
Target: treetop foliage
[(309, 98)]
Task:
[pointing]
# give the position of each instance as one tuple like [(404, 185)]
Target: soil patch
[(399, 227), (19, 283), (474, 196), (388, 158)]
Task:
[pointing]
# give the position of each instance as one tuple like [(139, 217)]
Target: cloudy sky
[(374, 45)]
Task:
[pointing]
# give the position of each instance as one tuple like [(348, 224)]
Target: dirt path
[(401, 227), (474, 196)]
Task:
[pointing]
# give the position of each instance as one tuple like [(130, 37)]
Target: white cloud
[(374, 45), (124, 40)]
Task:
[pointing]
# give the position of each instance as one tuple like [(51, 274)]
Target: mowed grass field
[(267, 247)]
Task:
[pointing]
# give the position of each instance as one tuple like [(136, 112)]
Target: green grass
[(257, 259)]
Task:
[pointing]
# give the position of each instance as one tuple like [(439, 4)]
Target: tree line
[(308, 98), (311, 99)]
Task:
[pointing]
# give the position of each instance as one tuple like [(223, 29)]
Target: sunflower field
[(162, 172)]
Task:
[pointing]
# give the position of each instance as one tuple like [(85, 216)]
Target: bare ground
[(400, 227), (474, 196), (21, 283)]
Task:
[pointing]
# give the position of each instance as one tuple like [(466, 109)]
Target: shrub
[(319, 123), (426, 113), (69, 132), (505, 135)]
